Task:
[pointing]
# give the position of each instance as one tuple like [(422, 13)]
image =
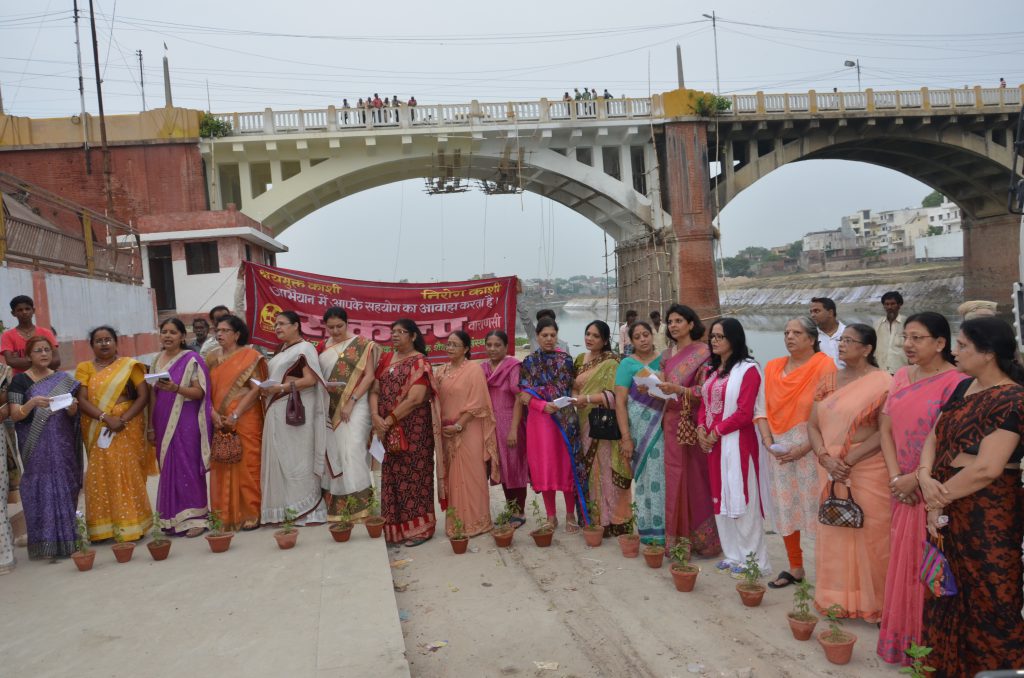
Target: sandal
[(516, 522), (410, 543), (250, 525), (786, 579), (571, 526), (195, 532)]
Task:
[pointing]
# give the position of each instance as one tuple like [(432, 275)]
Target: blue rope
[(572, 462)]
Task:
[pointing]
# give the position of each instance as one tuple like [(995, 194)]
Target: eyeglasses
[(400, 331), (717, 337), (850, 340), (103, 340), (42, 349), (452, 344), (916, 338)]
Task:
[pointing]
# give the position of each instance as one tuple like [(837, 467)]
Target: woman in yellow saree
[(113, 400)]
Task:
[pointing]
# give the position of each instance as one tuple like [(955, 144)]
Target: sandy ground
[(594, 613)]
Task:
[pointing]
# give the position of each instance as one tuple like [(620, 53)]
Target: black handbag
[(603, 424), (837, 512)]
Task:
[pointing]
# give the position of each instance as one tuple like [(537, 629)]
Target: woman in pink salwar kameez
[(502, 373)]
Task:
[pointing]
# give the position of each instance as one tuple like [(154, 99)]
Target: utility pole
[(83, 120), (714, 30), (679, 67), (142, 79), (103, 120)]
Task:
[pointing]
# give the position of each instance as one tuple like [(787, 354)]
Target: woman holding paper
[(349, 362), (552, 428), (639, 415), (235, 485), (725, 429), (467, 436), (294, 452), (113, 400), (49, 440), (182, 427), (607, 471), (789, 385)]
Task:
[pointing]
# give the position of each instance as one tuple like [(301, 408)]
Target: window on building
[(201, 257), (248, 253)]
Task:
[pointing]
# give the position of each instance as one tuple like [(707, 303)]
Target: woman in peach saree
[(851, 563), (467, 435)]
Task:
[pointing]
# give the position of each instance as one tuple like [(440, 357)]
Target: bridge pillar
[(689, 189), (991, 247)]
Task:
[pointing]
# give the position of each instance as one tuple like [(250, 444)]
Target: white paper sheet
[(156, 376), (267, 383), (564, 401), (335, 384), (377, 450), (106, 437), (60, 402), (651, 381), (775, 448)]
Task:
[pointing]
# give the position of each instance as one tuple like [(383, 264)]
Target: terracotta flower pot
[(341, 531), (593, 535), (837, 652), (685, 579), (286, 540), (630, 545), (654, 555), (83, 561), (542, 537), (503, 536), (751, 594), (459, 546), (802, 628), (220, 542), (159, 549), (123, 552), (374, 526)]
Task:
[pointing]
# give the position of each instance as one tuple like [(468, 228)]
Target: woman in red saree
[(235, 487), (468, 438), (689, 511), (400, 403)]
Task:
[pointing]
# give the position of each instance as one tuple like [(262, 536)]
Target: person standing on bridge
[(830, 330), (890, 334)]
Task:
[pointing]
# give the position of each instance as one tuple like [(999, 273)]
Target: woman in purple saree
[(182, 428), (50, 444)]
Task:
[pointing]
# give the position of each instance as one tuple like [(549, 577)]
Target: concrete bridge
[(643, 170)]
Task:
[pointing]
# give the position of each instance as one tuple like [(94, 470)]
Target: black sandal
[(786, 578)]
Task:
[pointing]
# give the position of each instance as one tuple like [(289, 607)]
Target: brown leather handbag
[(226, 447), (295, 412)]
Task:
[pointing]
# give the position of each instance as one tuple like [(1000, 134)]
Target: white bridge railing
[(475, 113)]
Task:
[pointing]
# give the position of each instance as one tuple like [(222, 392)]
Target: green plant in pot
[(917, 668), (801, 620), (83, 555), (837, 643), (593, 533), (159, 545), (341, 529), (629, 543), (683, 574), (751, 589), (543, 534), (288, 534), (458, 538), (217, 538), (122, 548), (374, 522), (503, 531)]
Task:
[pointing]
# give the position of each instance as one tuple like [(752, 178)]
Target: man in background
[(823, 313), (625, 345), (12, 342), (889, 329)]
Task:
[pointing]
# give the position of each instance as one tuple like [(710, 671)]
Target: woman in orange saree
[(467, 436), (851, 563), (235, 487), (113, 400)]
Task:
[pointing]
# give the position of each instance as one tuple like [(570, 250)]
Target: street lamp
[(852, 64), (714, 30)]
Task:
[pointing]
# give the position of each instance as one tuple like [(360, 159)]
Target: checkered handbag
[(837, 512)]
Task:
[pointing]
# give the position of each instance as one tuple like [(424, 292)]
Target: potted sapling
[(83, 555), (544, 532), (159, 545), (629, 543), (654, 555), (503, 530), (342, 529), (751, 590), (458, 540), (122, 548), (917, 668), (837, 643), (288, 534), (374, 522), (593, 533), (683, 574), (801, 620), (217, 538)]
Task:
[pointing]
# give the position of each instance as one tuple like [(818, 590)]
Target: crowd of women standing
[(695, 441)]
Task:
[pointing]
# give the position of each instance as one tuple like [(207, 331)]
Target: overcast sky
[(256, 54)]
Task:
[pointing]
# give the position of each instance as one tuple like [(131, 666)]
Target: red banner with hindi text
[(474, 306)]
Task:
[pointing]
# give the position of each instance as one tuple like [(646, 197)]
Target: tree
[(933, 199), (795, 249), (736, 266), (754, 253)]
